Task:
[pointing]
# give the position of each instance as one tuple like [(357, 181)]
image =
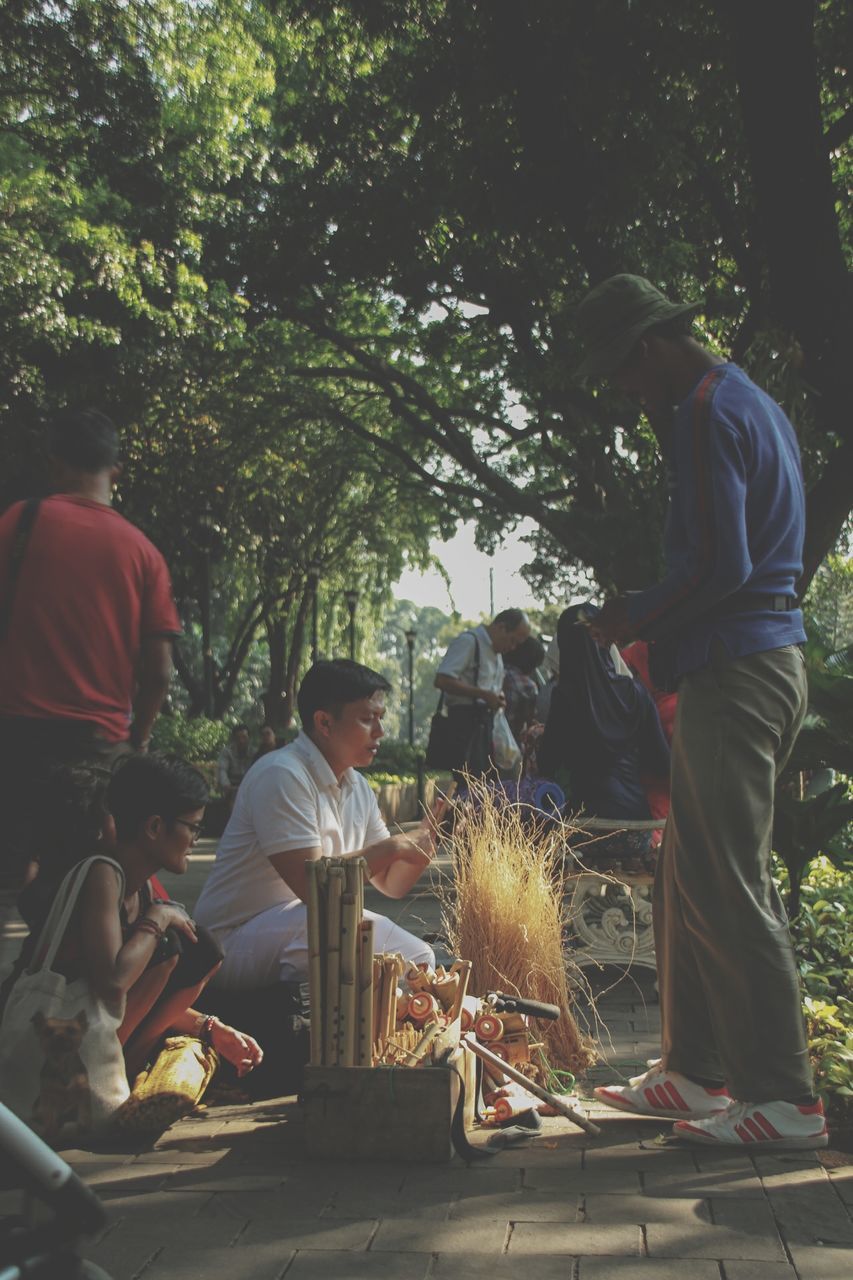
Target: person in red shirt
[(657, 790), (86, 648)]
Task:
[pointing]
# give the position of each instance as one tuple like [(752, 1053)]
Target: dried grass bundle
[(504, 912)]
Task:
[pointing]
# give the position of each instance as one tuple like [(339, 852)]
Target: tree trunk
[(798, 227), (294, 659), (236, 660), (277, 714), (193, 686)]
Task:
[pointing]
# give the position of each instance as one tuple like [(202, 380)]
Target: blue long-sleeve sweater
[(736, 521)]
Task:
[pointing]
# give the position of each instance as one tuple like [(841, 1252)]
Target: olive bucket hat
[(615, 315)]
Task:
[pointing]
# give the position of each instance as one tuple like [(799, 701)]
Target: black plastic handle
[(534, 1008)]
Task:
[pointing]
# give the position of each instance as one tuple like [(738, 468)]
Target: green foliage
[(822, 934), (830, 1033), (395, 757), (382, 779), (412, 175), (805, 826), (324, 276), (193, 739), (829, 603), (802, 829)]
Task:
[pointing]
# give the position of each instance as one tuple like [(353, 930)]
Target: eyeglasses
[(194, 827)]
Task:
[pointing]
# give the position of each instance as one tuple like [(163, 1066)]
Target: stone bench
[(609, 907)]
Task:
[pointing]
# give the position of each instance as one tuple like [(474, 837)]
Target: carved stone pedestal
[(610, 918)]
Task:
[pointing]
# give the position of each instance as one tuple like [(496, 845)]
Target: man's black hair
[(85, 439), (238, 728), (329, 686), (526, 656), (511, 618), (143, 786)]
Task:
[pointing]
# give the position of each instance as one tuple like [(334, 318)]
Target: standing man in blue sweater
[(735, 1069)]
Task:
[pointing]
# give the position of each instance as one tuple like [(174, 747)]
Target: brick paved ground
[(231, 1194)]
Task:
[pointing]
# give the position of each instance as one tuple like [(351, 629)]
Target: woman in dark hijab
[(602, 731)]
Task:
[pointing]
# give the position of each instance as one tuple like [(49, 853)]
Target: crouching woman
[(138, 955)]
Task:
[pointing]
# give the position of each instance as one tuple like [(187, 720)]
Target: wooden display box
[(386, 1113)]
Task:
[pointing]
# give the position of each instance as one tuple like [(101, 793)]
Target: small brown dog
[(64, 1095)]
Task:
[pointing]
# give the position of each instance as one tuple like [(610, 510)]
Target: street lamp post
[(351, 598), (411, 636), (313, 571)]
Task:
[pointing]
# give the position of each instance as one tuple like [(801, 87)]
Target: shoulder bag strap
[(59, 916), (23, 529), (476, 669)]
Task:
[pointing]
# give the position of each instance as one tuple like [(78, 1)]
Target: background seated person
[(133, 950), (601, 735), (299, 804), (266, 741)]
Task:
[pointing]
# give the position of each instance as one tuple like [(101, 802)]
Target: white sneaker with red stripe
[(666, 1094), (759, 1124)]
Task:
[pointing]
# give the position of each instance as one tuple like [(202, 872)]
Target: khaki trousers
[(729, 991)]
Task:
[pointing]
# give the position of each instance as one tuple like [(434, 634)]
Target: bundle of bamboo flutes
[(368, 1009), (340, 964)]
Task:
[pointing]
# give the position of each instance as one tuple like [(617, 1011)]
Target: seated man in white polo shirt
[(303, 802)]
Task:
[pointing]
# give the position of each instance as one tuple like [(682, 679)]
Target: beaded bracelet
[(205, 1031)]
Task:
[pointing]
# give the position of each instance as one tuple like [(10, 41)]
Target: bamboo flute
[(385, 999), (464, 971), (553, 1100), (333, 963), (366, 994), (348, 1019), (377, 1001), (315, 964), (354, 869), (391, 979)]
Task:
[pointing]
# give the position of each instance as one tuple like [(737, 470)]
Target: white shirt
[(289, 799), (460, 659)]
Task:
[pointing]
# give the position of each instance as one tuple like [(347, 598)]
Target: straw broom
[(505, 912)]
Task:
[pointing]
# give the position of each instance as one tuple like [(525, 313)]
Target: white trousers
[(273, 947)]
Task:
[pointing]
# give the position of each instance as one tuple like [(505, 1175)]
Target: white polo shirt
[(460, 661), (289, 799)]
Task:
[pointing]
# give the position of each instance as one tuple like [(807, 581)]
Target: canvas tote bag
[(61, 1065)]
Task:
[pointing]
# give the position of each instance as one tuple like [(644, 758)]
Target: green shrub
[(822, 933), (389, 779), (830, 1033), (192, 740), (395, 757)]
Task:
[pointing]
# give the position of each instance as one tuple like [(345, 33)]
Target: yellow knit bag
[(170, 1088)]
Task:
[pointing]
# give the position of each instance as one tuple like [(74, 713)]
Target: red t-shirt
[(91, 587)]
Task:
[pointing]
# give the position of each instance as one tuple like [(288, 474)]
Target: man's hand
[(611, 624), (494, 701)]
